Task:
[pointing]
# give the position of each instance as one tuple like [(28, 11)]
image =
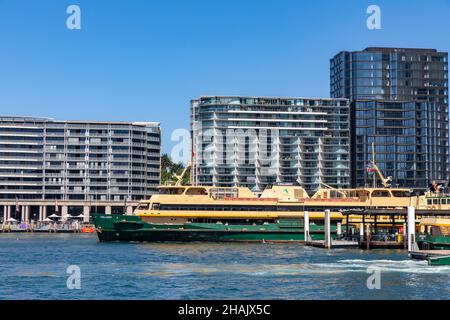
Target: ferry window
[(142, 206), (380, 193), (430, 201), (171, 190), (155, 206), (196, 191), (361, 194), (435, 201), (220, 193), (400, 194), (337, 194)]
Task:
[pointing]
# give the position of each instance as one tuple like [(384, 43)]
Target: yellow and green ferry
[(199, 213), (236, 214), (435, 231)]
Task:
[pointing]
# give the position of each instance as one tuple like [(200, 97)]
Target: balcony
[(21, 183), (54, 174), (37, 166), (53, 183), (21, 175), (75, 183)]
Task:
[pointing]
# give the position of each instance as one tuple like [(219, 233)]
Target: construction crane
[(386, 182)]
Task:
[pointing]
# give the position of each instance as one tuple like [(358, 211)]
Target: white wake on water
[(338, 267), (406, 266)]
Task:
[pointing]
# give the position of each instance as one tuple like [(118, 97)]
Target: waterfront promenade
[(48, 226), (39, 210)]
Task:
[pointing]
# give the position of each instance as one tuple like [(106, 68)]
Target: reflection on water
[(33, 266)]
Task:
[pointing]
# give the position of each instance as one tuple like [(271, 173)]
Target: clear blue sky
[(144, 60)]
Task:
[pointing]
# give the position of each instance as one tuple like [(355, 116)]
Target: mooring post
[(361, 233), (411, 228), (339, 230), (375, 222), (327, 242), (364, 227), (368, 236), (306, 226), (405, 244), (347, 235)]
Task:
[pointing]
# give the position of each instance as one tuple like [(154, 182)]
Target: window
[(400, 194), (196, 191), (155, 206), (380, 193), (143, 206)]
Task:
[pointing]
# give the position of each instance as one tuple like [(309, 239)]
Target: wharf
[(382, 245), (40, 231), (425, 254), (334, 244)]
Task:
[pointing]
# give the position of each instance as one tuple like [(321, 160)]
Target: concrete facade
[(45, 159), (78, 167), (256, 142), (27, 211)]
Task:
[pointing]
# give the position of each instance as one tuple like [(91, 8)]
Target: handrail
[(250, 199)]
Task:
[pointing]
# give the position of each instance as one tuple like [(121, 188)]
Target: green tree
[(169, 169)]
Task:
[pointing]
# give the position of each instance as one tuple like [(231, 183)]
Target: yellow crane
[(333, 188), (179, 178), (386, 182)]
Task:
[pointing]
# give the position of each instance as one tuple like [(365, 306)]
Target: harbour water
[(33, 266)]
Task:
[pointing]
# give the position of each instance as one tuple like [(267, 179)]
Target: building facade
[(410, 142), (256, 142), (44, 159), (414, 130), (390, 74)]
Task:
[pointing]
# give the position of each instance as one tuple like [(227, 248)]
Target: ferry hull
[(203, 235), (434, 242), (439, 261), (131, 229)]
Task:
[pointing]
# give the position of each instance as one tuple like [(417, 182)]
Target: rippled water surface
[(33, 266)]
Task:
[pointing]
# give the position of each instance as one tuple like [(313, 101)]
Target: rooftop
[(51, 120), (387, 49), (268, 98)]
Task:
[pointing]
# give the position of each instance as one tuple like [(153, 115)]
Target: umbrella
[(54, 216), (48, 220), (11, 220), (80, 216)]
